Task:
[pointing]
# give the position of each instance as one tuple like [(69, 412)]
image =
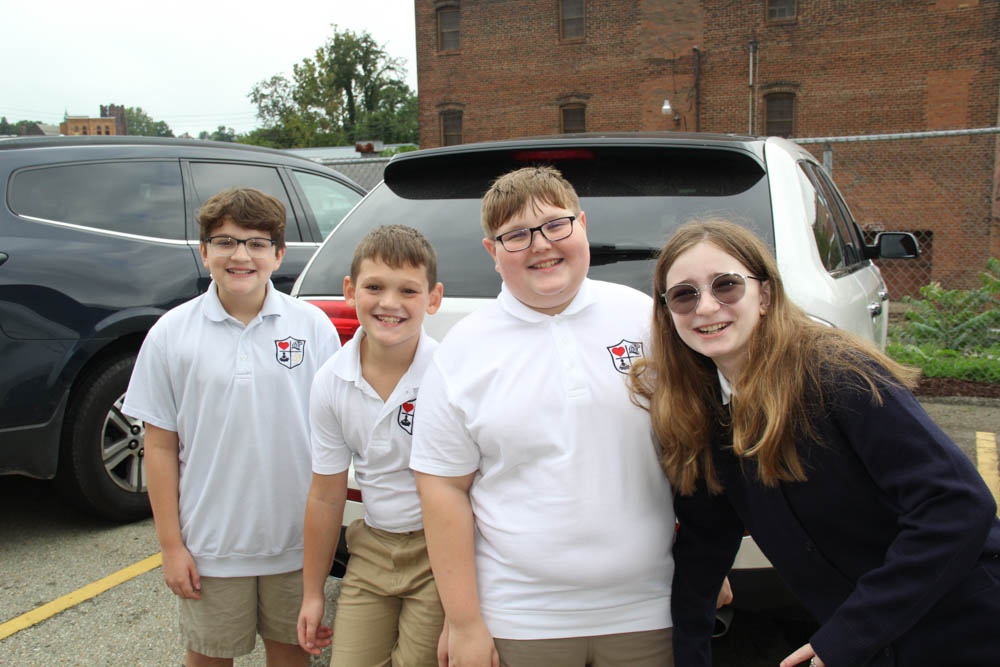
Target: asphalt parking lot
[(49, 550)]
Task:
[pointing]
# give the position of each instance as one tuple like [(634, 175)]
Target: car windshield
[(634, 198)]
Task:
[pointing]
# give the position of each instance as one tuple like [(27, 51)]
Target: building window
[(451, 128), (85, 129), (780, 10), (447, 28), (780, 109), (573, 118), (107, 129), (570, 19)]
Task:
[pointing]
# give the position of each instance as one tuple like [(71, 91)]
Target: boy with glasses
[(222, 384), (549, 523)]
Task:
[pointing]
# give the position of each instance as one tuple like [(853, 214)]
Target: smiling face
[(240, 278), (546, 276), (391, 302), (720, 332)]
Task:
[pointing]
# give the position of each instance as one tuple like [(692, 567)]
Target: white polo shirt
[(574, 517), (237, 396), (350, 420)]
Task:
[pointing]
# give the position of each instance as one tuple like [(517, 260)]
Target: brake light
[(344, 317), (354, 494), (544, 155)]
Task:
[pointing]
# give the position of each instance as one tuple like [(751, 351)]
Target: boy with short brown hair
[(222, 384), (363, 407)]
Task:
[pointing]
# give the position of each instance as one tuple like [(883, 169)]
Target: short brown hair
[(397, 246), (515, 190), (247, 207)]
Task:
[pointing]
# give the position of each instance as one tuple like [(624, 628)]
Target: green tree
[(7, 128), (222, 133), (141, 123), (351, 89)]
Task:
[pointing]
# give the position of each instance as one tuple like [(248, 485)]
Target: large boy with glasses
[(549, 523), (222, 383)]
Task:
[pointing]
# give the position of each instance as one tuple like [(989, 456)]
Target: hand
[(313, 635), (467, 646), (181, 574), (801, 655), (442, 652), (725, 595)]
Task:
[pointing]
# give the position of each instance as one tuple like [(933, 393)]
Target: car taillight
[(354, 494), (344, 317)]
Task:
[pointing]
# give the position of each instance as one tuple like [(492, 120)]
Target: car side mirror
[(890, 245), (896, 245)]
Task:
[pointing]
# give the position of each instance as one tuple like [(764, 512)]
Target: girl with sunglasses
[(808, 438)]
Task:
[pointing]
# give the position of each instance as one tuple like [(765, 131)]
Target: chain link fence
[(943, 187)]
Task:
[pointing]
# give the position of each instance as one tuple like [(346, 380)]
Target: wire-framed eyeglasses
[(726, 288), (520, 239), (226, 245)]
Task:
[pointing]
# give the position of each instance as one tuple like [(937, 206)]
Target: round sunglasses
[(727, 289)]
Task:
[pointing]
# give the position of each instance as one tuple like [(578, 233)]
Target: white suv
[(636, 189)]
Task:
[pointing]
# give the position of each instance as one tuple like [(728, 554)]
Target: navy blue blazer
[(893, 543)]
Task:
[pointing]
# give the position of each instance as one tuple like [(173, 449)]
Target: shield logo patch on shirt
[(405, 415), (290, 351), (623, 353)]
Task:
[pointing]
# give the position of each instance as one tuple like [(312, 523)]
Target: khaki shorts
[(653, 648), (388, 611), (224, 623)]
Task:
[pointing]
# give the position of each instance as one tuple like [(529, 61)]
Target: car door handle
[(875, 309)]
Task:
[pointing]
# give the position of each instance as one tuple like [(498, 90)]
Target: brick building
[(494, 69), (111, 121), (84, 125)]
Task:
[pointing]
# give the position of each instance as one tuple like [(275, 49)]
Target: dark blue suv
[(98, 238)]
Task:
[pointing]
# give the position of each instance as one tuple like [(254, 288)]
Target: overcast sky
[(190, 63)]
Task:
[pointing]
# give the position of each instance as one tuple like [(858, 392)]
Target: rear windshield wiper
[(609, 253)]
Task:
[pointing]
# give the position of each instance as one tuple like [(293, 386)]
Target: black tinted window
[(142, 198), (633, 202), (210, 178)]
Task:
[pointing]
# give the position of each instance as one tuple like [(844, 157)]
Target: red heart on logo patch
[(408, 407), (283, 345), (618, 351)]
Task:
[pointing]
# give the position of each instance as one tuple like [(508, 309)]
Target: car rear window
[(634, 199)]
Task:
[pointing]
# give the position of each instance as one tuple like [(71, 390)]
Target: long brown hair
[(778, 383)]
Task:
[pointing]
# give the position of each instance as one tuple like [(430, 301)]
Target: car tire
[(101, 464)]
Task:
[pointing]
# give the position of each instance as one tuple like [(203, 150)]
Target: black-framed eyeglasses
[(520, 239), (227, 245), (726, 288)]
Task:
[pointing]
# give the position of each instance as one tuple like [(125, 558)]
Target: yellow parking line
[(70, 599), (986, 457)]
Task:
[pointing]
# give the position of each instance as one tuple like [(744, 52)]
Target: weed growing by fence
[(951, 332)]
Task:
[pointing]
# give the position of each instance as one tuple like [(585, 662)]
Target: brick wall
[(854, 67)]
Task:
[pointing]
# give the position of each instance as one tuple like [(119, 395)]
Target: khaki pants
[(224, 623), (653, 648), (388, 612)]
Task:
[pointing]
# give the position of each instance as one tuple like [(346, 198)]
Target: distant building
[(82, 125), (111, 121), (40, 130)]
